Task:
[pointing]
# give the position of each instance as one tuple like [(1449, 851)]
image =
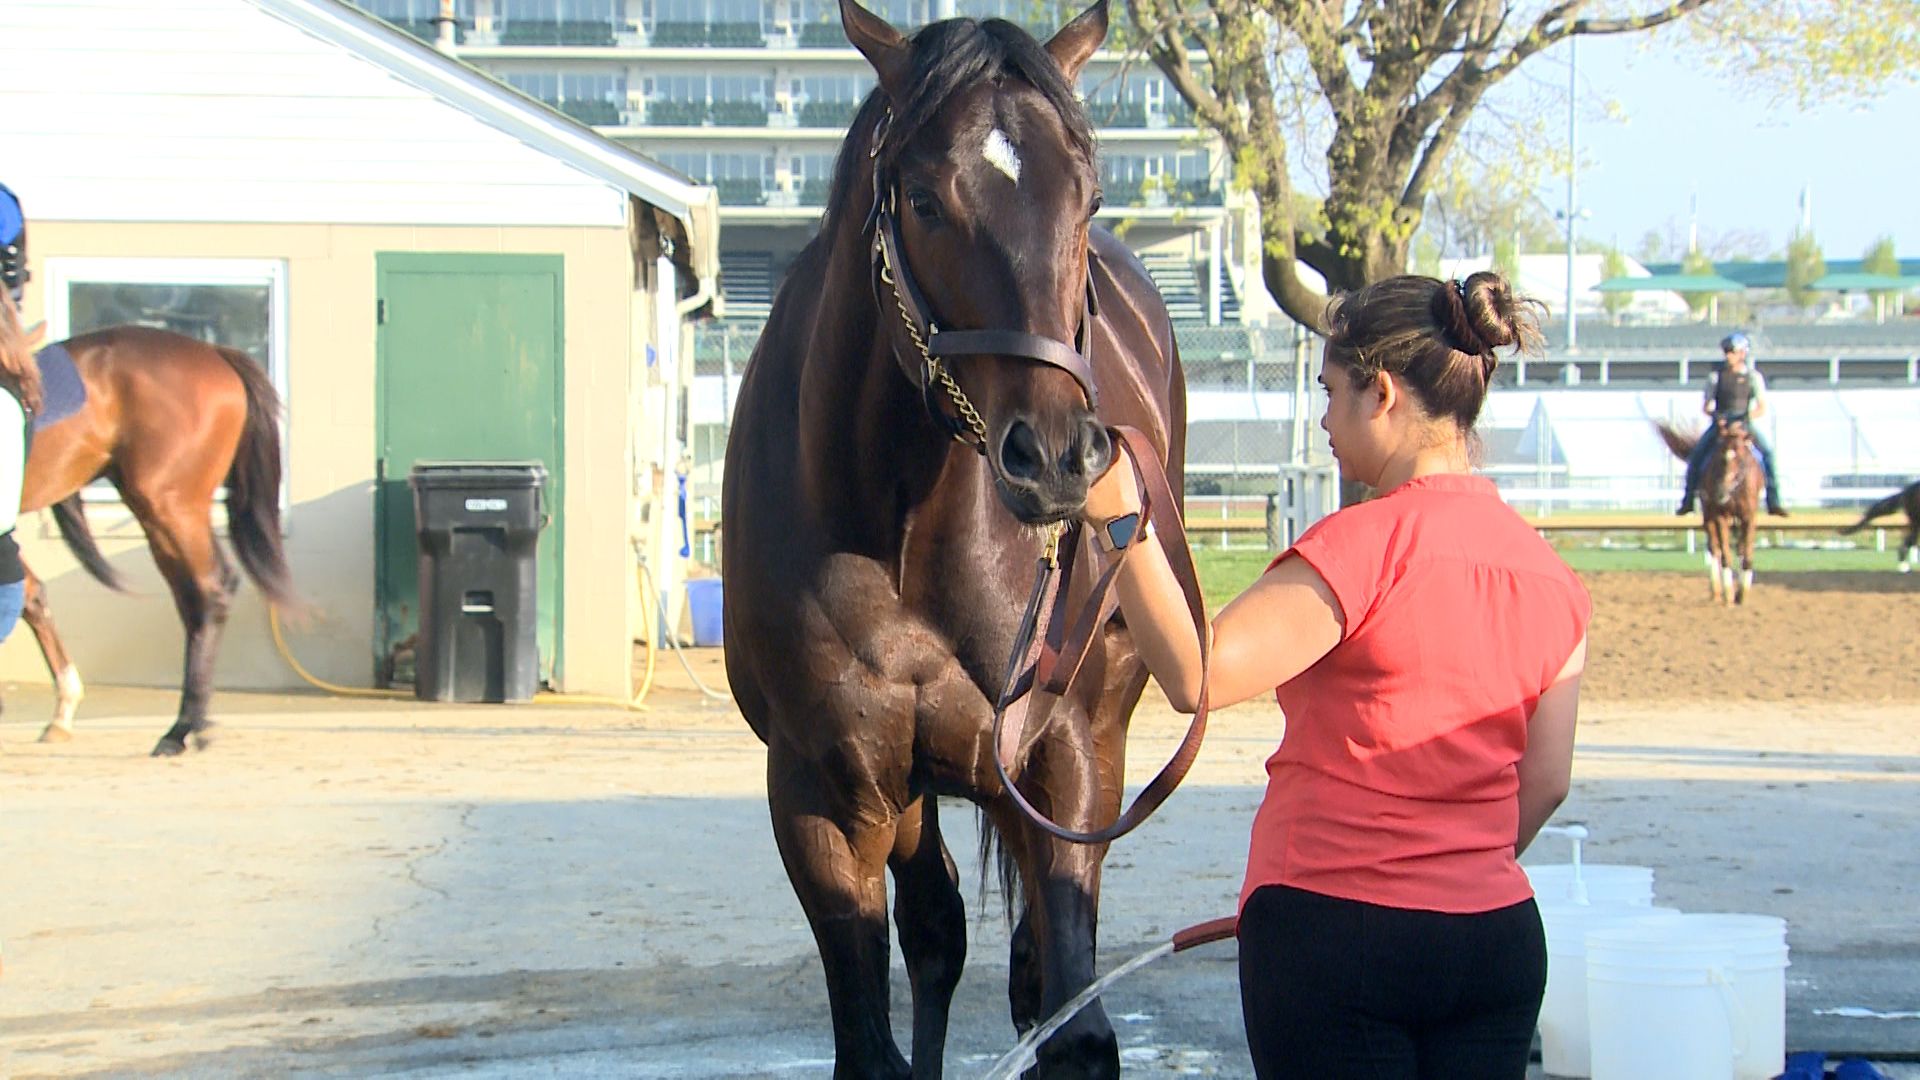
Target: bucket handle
[(1738, 1029)]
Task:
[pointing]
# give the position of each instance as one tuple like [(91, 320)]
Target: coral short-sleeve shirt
[(1396, 782)]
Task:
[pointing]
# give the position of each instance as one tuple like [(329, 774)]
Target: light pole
[(1573, 177)]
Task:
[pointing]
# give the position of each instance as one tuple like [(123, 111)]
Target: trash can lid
[(473, 474)]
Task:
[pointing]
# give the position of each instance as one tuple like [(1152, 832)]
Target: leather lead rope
[(1029, 665)]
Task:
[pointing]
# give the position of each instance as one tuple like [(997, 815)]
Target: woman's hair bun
[(1493, 317)]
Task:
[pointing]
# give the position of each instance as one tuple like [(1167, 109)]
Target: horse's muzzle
[(1042, 471)]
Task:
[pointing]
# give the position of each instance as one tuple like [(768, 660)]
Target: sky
[(1681, 130)]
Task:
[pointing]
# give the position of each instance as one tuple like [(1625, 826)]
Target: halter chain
[(968, 414)]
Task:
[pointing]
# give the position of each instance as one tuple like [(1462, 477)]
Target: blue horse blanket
[(61, 392)]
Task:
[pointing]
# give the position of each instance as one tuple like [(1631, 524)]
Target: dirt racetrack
[(1832, 637)]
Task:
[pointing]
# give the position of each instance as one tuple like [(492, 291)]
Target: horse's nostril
[(1093, 448), (1021, 456)]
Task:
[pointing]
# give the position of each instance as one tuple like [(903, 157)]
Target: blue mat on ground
[(61, 392)]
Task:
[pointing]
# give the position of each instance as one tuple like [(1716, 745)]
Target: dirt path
[(1799, 638)]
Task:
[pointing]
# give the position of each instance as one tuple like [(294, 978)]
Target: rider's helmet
[(1736, 342), (13, 245)]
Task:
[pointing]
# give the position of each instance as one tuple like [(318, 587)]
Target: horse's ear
[(881, 44), (1079, 39)]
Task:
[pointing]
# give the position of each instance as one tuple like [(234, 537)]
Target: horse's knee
[(933, 932)]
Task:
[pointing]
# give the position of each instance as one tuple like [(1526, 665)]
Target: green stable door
[(469, 355)]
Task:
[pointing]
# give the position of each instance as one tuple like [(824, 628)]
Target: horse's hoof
[(56, 734), (168, 746)]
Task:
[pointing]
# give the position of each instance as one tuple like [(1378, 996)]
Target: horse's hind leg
[(837, 864), (933, 928), (67, 687), (203, 585)]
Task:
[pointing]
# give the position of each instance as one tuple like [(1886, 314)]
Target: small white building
[(430, 265), (1544, 277)]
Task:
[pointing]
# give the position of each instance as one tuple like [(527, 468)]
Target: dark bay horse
[(1730, 490), (168, 419), (1908, 499), (912, 423)]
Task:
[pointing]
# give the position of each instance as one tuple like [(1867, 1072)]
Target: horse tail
[(253, 484), (71, 515), (1678, 441), (994, 853), (1880, 509)]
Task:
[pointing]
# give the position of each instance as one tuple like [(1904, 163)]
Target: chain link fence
[(1551, 440)]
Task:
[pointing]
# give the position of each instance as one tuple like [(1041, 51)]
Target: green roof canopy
[(1864, 283), (1680, 283)]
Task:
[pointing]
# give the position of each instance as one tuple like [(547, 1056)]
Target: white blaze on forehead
[(1000, 154)]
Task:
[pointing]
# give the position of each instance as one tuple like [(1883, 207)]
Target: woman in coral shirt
[(1427, 649)]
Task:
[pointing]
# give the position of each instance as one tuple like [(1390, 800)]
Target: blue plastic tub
[(704, 606)]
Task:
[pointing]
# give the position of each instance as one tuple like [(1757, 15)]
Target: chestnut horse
[(918, 414), (1908, 499), (1730, 489), (167, 420)]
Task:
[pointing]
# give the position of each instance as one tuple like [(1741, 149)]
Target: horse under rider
[(1736, 393)]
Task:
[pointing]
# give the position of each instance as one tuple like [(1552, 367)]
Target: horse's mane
[(19, 372), (947, 58)]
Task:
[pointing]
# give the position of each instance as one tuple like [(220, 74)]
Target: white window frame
[(65, 271)]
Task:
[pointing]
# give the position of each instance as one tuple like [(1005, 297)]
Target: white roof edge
[(696, 205)]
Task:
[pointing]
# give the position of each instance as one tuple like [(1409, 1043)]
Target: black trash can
[(479, 526)]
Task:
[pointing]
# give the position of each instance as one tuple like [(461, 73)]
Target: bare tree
[(1390, 86)]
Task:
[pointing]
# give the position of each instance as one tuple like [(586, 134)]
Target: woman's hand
[(1114, 492)]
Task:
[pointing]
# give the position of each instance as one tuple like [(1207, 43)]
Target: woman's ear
[(1386, 394)]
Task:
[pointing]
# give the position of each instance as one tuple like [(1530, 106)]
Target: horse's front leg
[(1723, 560), (68, 690), (1746, 557), (1064, 780), (933, 928), (836, 854)]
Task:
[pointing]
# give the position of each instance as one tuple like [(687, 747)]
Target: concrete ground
[(373, 888)]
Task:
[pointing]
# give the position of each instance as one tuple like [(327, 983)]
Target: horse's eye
[(1099, 201), (923, 204)]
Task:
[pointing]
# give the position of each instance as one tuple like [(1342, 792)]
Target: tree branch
[(1545, 33), (1637, 22)]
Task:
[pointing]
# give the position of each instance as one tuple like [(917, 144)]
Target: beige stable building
[(430, 266)]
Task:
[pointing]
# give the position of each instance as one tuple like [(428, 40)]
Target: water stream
[(1024, 1053)]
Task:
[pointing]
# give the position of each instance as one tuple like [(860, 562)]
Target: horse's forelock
[(948, 58)]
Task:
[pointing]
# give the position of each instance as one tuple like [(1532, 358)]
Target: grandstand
[(1183, 284), (746, 280)]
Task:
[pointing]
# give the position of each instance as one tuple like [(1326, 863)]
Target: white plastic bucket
[(1564, 1038), (1661, 1002), (1759, 976), (1604, 883)]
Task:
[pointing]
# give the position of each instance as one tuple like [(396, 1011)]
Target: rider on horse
[(1736, 393), (13, 246)]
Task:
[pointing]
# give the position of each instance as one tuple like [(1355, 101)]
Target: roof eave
[(696, 205)]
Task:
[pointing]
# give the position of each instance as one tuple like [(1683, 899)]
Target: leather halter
[(1049, 648), (921, 364)]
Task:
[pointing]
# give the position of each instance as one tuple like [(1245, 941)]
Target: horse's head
[(984, 172), (17, 343)]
